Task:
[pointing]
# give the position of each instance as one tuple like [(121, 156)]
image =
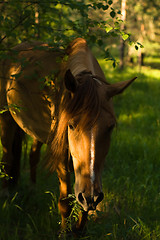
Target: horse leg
[(64, 203), (16, 150), (34, 158), (83, 217), (65, 189), (8, 129)]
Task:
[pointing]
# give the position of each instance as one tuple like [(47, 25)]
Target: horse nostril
[(81, 198), (100, 198), (90, 202)]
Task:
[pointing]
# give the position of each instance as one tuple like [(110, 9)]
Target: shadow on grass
[(31, 212)]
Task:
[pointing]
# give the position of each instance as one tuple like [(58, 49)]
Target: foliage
[(11, 108), (3, 173), (57, 22)]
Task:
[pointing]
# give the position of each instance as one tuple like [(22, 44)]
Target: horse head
[(90, 124)]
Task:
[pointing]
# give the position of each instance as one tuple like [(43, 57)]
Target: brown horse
[(74, 115), (11, 134), (11, 139)]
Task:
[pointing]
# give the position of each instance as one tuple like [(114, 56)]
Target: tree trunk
[(122, 42), (37, 30), (140, 53)]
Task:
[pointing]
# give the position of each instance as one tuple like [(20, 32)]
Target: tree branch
[(17, 25)]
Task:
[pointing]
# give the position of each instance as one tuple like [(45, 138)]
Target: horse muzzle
[(90, 202)]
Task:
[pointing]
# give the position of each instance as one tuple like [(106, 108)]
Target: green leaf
[(107, 54), (141, 46), (125, 36), (112, 14), (130, 42), (136, 47), (110, 2), (108, 29), (116, 24), (114, 64), (105, 7), (99, 5)]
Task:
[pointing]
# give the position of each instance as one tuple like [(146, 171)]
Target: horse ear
[(117, 88), (70, 81)]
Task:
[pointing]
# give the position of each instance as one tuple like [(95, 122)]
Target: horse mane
[(80, 109)]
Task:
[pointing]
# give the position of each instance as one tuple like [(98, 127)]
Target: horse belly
[(29, 108)]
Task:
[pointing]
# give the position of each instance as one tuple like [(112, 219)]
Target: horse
[(12, 158), (11, 134), (74, 115)]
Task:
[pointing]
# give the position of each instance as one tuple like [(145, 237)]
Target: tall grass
[(131, 177)]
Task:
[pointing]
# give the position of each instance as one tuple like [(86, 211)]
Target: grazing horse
[(74, 115)]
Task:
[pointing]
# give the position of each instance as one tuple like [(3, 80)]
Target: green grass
[(133, 174), (131, 177)]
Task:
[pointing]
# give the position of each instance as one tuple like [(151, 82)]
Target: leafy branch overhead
[(57, 22), (12, 108)]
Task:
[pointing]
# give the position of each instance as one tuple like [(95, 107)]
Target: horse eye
[(71, 127)]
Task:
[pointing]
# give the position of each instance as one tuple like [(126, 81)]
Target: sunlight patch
[(128, 118)]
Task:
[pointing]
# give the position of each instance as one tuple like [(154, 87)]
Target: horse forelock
[(84, 104)]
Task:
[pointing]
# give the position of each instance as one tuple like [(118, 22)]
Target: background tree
[(122, 42), (142, 24)]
